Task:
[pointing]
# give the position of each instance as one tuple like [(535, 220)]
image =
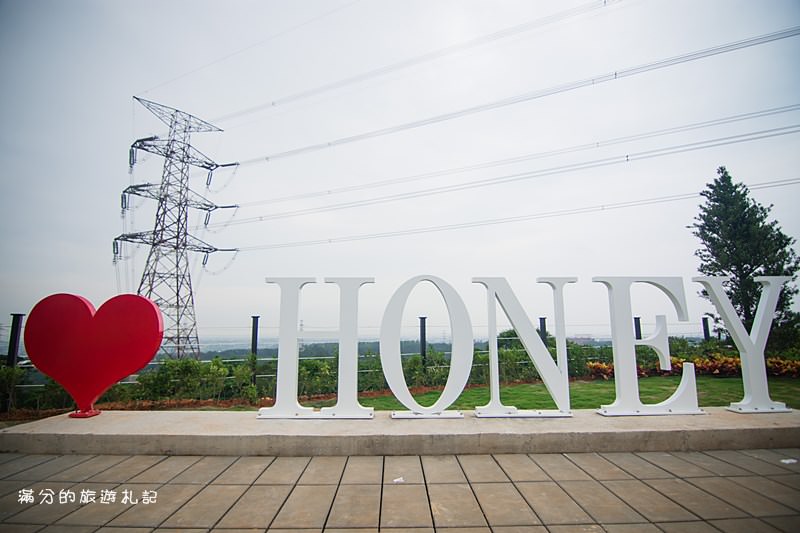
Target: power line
[(528, 157), (508, 220), (426, 57), (526, 97), (249, 47), (572, 167)]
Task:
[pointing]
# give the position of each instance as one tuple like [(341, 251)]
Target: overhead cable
[(526, 157), (508, 220), (426, 57), (572, 167), (533, 95), (249, 47)]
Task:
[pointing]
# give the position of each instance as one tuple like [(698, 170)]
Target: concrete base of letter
[(240, 433)]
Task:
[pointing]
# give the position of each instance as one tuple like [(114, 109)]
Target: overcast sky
[(70, 70)]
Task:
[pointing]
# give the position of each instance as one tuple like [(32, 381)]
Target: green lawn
[(711, 391)]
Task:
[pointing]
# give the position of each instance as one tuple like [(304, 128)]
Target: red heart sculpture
[(87, 351)]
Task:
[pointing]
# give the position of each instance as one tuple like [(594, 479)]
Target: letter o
[(460, 357)]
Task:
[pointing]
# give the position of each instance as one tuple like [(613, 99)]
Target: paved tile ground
[(751, 491)]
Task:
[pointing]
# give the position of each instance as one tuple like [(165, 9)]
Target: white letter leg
[(751, 346), (555, 377), (347, 405), (286, 404), (627, 402)]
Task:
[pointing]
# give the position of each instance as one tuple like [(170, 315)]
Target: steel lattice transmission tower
[(166, 279)]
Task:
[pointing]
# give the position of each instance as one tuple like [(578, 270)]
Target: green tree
[(739, 241)]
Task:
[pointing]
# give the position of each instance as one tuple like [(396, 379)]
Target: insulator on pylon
[(131, 157), (208, 218), (208, 179), (116, 249), (124, 201), (205, 259)]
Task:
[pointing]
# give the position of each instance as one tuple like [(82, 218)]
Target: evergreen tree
[(738, 241)]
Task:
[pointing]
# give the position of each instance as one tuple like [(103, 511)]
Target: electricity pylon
[(166, 279)]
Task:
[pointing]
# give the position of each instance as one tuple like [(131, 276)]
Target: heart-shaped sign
[(87, 351)]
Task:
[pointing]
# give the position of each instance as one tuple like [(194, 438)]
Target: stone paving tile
[(405, 506), (323, 471), (99, 514), (579, 528), (741, 497), (442, 469), (503, 505), (743, 525), (127, 469), (687, 527), (303, 530), (283, 471), (712, 464), (482, 469), (256, 508), (600, 502), (6, 457), (407, 467), (464, 530), (350, 530), (551, 504), (756, 466), (89, 468), (244, 471), (23, 463), (774, 458), (307, 506), (355, 506), (236, 530), (11, 507), (407, 529), (206, 507), (49, 468), (176, 530), (654, 506), (39, 513), (108, 529), (7, 487), (520, 467), (519, 529), (170, 499), (363, 469), (631, 528), (674, 465), (790, 480), (636, 466), (597, 466), (790, 452), (239, 530), (454, 505), (204, 470), (771, 489), (789, 524), (559, 467), (165, 470), (699, 502), (68, 529)]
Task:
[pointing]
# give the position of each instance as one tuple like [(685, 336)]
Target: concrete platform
[(240, 433)]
